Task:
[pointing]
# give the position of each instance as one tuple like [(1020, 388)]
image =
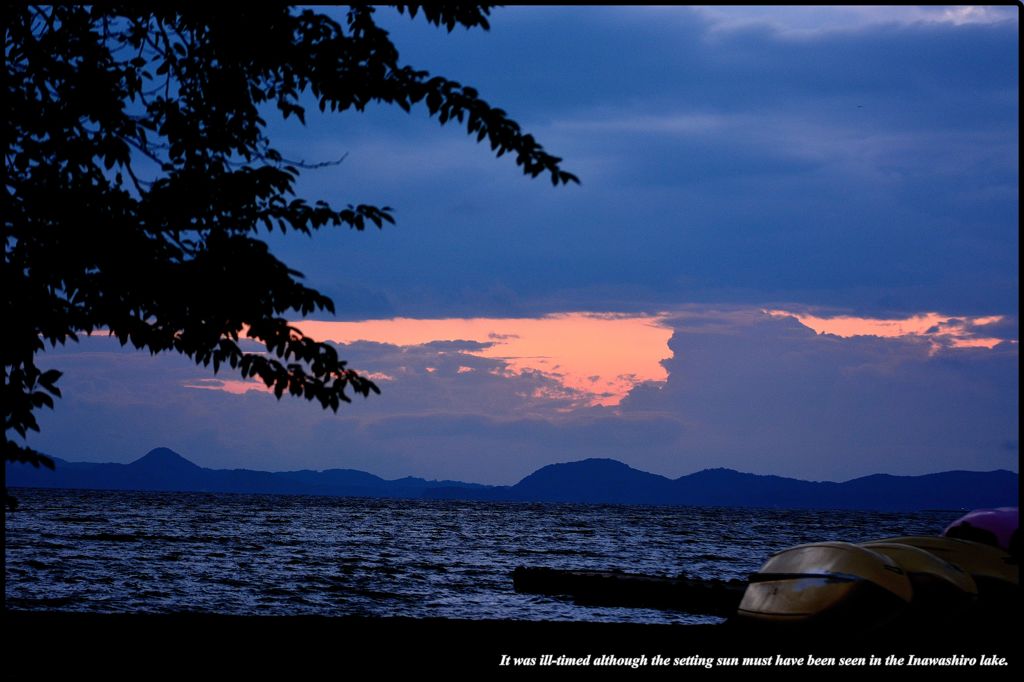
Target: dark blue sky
[(871, 167), (852, 161)]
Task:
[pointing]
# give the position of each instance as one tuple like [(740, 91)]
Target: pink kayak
[(991, 526)]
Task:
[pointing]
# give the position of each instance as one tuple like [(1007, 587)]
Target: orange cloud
[(573, 348), (975, 343), (941, 330), (233, 386)]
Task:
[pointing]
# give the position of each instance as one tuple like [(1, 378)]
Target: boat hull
[(827, 581), (987, 565), (998, 527), (941, 589)]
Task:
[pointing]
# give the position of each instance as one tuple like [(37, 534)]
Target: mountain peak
[(586, 467), (719, 471), (606, 480), (164, 458), (602, 463)]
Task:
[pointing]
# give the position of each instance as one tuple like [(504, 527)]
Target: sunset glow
[(602, 356), (957, 332), (232, 386)]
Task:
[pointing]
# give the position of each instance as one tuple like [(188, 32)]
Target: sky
[(793, 251)]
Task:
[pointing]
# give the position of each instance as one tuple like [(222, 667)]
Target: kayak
[(991, 567), (997, 527), (825, 581), (940, 588)]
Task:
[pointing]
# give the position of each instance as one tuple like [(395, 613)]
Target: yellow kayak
[(940, 588), (986, 564), (826, 580)]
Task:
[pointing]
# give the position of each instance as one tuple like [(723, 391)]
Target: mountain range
[(594, 481), (163, 469)]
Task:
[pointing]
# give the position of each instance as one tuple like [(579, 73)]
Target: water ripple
[(246, 554)]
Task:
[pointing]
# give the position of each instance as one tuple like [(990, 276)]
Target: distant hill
[(610, 481), (595, 481), (164, 469)]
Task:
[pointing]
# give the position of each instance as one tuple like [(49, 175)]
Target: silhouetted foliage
[(139, 177)]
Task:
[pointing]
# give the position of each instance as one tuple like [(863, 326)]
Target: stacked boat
[(876, 582)]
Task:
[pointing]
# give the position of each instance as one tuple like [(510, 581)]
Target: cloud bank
[(743, 388)]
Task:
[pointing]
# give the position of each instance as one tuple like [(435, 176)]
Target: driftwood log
[(614, 588)]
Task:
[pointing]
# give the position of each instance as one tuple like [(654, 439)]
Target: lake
[(107, 551)]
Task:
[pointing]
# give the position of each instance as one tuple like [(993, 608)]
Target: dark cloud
[(1007, 328), (873, 168), (767, 394), (458, 345)]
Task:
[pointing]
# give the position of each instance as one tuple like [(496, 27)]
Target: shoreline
[(202, 641)]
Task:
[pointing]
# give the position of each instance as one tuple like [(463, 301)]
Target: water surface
[(98, 551)]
